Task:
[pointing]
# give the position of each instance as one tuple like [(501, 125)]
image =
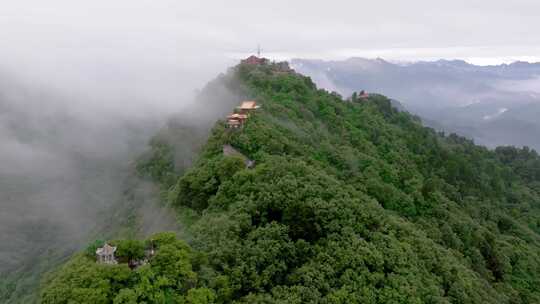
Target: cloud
[(63, 36)]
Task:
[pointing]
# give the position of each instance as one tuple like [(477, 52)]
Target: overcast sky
[(106, 40)]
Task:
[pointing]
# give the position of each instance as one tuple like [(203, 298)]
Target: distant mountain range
[(495, 105)]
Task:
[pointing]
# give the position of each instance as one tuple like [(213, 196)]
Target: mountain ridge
[(349, 202)]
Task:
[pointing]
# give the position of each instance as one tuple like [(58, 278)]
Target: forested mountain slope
[(347, 203)]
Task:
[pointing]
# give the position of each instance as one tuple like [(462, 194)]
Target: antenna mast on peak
[(258, 50)]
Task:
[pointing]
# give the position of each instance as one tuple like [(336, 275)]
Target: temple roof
[(248, 105), (106, 250), (254, 60), (237, 116)]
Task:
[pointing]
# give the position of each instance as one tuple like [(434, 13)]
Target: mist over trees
[(67, 166), (62, 168)]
